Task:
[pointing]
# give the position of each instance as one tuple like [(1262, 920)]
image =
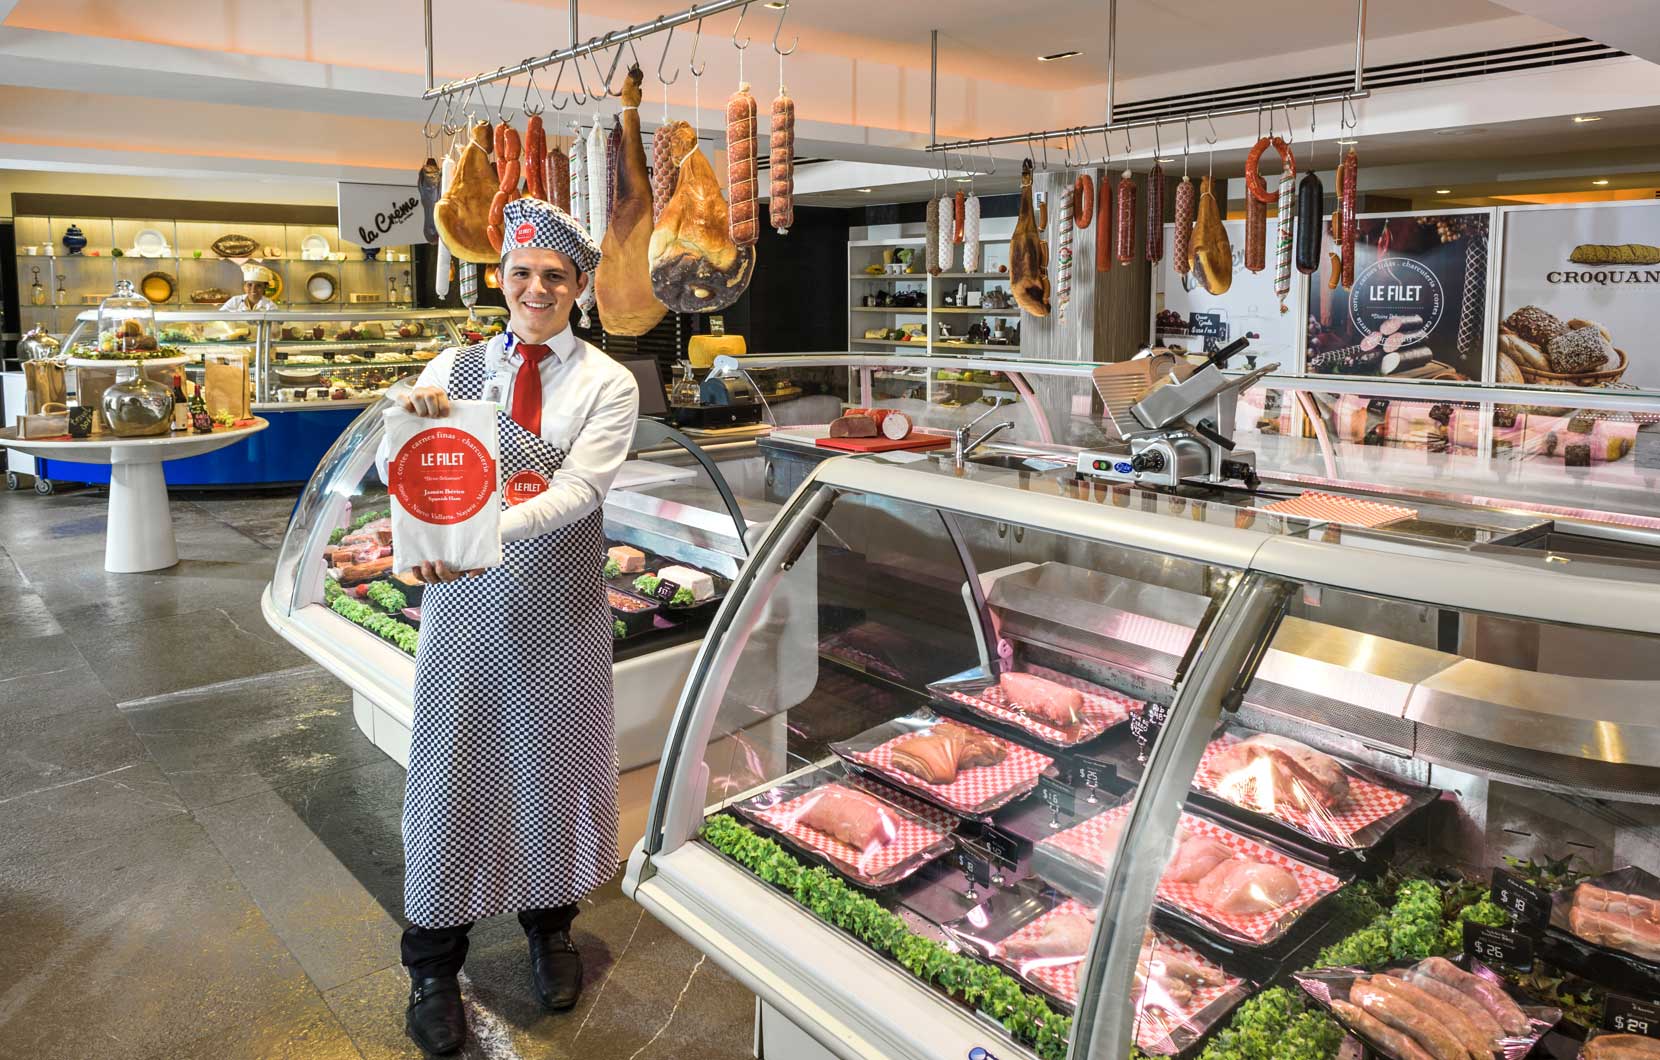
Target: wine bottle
[(199, 417)]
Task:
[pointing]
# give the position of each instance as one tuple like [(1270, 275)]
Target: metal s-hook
[(691, 64), (664, 58), (1129, 149), (530, 83), (501, 114), (553, 94), (1349, 116), (1158, 144), (780, 29), (605, 79), (1211, 141), (1187, 143)]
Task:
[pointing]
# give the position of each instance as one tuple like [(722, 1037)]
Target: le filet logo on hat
[(524, 233)]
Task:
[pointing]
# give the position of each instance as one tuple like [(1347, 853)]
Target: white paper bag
[(444, 480)]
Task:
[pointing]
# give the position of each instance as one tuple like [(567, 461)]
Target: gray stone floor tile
[(60, 821), (43, 695), (43, 752), (264, 731), (32, 656), (24, 614), (133, 946), (304, 1029), (277, 843), (153, 656)]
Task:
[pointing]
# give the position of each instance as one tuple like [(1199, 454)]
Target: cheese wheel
[(895, 426)]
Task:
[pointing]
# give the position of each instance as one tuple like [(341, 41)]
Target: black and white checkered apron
[(511, 800)]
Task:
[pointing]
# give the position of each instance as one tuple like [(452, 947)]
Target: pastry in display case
[(1068, 771)]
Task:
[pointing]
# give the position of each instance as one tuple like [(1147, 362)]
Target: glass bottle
[(199, 417)]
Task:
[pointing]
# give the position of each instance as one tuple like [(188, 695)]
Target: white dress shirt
[(238, 303), (589, 405)]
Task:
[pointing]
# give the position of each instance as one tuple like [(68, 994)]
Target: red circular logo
[(524, 233), (523, 485), (443, 476)]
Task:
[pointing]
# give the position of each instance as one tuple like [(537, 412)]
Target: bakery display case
[(1075, 769), (318, 356), (676, 528)]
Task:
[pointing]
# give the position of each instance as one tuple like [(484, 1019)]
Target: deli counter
[(989, 759)]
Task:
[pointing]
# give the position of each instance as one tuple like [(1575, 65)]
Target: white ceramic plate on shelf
[(320, 287), (314, 248), (150, 243)]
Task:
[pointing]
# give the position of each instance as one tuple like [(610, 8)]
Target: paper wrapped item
[(52, 421), (444, 482), (43, 385), (225, 383)]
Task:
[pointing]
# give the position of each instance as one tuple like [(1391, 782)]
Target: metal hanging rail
[(695, 13), (1110, 126)]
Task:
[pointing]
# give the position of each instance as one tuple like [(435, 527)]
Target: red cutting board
[(917, 440)]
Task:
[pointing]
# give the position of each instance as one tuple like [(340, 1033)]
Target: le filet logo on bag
[(443, 476)]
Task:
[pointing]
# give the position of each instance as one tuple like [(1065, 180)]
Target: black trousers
[(433, 952)]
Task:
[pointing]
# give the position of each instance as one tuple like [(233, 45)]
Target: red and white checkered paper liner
[(912, 838), (1332, 508), (1103, 708), (1088, 840), (1154, 1027), (977, 790), (1366, 804)]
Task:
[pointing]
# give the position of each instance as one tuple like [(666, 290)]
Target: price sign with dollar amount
[(1528, 906), (1630, 1015), (1497, 946)]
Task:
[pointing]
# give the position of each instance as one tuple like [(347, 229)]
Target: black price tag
[(1059, 795), (1628, 1015), (1002, 849), (665, 590), (1145, 726), (974, 865), (1212, 326), (1088, 773), (1497, 946), (1528, 906)]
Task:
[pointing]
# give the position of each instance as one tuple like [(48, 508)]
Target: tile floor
[(199, 853)]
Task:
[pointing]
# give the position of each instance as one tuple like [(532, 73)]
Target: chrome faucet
[(962, 446)]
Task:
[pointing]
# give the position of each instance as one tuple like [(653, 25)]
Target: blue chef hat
[(531, 222)]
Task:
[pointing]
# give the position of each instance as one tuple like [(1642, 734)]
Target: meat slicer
[(1186, 431)]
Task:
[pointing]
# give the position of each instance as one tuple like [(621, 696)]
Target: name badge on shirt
[(495, 390)]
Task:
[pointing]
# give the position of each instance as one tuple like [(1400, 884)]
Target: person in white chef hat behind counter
[(511, 797), (256, 281)]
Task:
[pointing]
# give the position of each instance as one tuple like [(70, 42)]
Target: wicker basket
[(1599, 377)]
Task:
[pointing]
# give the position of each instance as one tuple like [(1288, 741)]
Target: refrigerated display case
[(1073, 768), (309, 389), (335, 596)]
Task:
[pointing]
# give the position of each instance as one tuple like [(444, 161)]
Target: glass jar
[(135, 407), (126, 322)]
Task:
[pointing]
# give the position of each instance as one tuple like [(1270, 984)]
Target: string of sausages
[(508, 165), (781, 203), (1103, 224), (741, 179), (1064, 258), (945, 253), (971, 234), (597, 181)]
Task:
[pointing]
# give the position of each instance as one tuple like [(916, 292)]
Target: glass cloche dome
[(126, 323)]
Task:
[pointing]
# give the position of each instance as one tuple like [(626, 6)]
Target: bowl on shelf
[(158, 286), (321, 287)]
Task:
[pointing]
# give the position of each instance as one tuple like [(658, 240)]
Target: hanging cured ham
[(1028, 267), (622, 283), (463, 213), (695, 265), (1212, 253)]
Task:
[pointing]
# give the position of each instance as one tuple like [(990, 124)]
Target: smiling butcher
[(511, 802)]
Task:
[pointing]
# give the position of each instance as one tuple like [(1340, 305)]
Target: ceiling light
[(1057, 55), (1443, 191), (1347, 142), (1162, 161), (866, 191), (776, 5), (965, 180), (1599, 183), (1582, 119)]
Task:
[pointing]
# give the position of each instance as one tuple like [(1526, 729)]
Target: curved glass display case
[(1078, 769), (335, 596)]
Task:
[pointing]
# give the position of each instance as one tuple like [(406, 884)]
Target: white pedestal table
[(139, 536)]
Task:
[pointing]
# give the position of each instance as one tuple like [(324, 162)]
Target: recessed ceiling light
[(1345, 142), (1057, 55), (866, 191), (1162, 161), (776, 5), (965, 180), (1599, 183), (1581, 119), (1443, 191)]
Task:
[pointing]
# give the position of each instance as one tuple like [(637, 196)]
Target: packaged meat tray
[(637, 571), (1617, 913), (874, 836), (1315, 795), (636, 614), (1234, 887), (1435, 1008), (1059, 709), (1179, 994), (966, 770), (1620, 1047)]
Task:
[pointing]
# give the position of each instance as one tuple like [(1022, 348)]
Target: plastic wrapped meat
[(1279, 771), (1620, 1047), (1051, 702), (1629, 923), (857, 820), (939, 754), (1241, 888), (1064, 935), (1196, 858)]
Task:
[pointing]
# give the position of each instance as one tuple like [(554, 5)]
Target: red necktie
[(527, 387)]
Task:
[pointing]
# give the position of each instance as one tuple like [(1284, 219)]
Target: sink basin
[(1016, 462)]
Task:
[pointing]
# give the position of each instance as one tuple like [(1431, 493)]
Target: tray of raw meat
[(1617, 912), (871, 834), (1234, 887), (1338, 803), (966, 770), (1179, 994), (1434, 1009), (1057, 708)]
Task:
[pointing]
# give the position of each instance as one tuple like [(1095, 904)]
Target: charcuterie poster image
[(1577, 304), (1417, 307)]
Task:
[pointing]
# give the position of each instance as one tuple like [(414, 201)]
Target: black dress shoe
[(436, 1021), (555, 969)]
